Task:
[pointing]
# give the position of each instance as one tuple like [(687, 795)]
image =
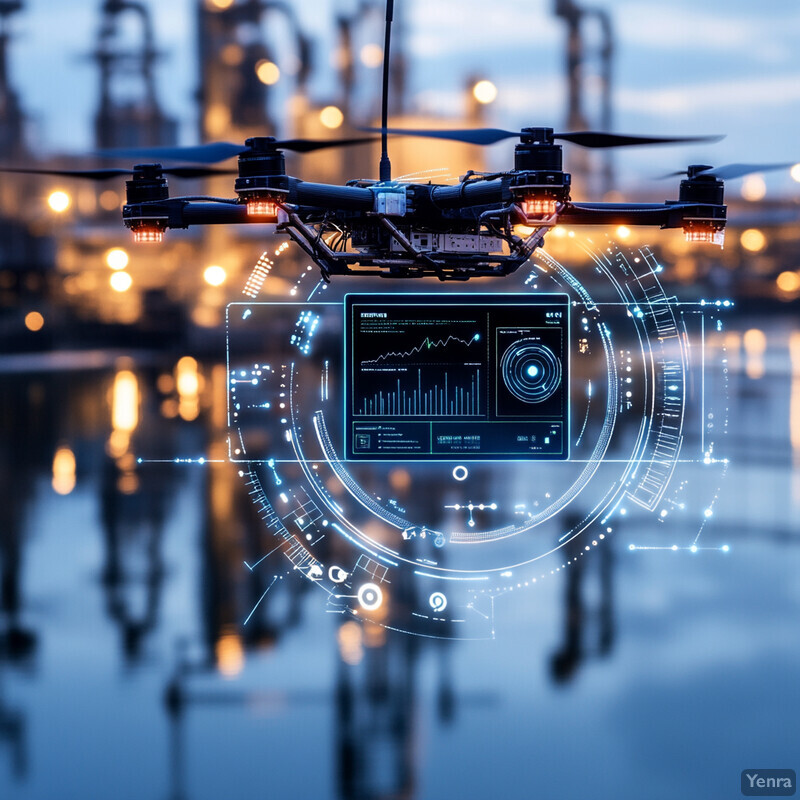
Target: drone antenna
[(386, 165)]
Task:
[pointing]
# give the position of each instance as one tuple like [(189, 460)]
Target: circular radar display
[(531, 371), (419, 458)]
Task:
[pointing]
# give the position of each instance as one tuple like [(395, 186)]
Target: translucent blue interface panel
[(462, 377)]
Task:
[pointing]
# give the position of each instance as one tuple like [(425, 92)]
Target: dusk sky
[(683, 67)]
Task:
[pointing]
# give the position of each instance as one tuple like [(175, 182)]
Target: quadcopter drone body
[(405, 230)]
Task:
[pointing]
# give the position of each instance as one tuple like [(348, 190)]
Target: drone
[(488, 224)]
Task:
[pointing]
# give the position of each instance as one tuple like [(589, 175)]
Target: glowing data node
[(370, 596), (438, 601)]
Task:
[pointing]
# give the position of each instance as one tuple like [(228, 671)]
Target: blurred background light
[(268, 72), (120, 281), (117, 258), (214, 275), (34, 321), (59, 201), (753, 240), (331, 117), (484, 92)]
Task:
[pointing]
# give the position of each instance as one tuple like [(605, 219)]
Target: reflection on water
[(588, 623), (794, 412), (129, 666)]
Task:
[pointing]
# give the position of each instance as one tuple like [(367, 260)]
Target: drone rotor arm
[(323, 195), (472, 193), (663, 215)]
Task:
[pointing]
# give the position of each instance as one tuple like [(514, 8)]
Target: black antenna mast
[(386, 165)]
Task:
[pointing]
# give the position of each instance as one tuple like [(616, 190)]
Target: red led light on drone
[(699, 236), (267, 210), (144, 235), (533, 206), (704, 233)]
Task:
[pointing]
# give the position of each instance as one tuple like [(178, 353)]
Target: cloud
[(670, 27), (442, 28), (687, 100)]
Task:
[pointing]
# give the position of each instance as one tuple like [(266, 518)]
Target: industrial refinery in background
[(70, 274)]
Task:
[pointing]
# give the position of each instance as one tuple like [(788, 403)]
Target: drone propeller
[(106, 174), (599, 139), (731, 171), (215, 152), (487, 136)]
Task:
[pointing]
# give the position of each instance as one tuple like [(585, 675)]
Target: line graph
[(427, 344)]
